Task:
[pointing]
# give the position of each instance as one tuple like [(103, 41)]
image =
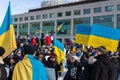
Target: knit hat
[(75, 57), (102, 49)]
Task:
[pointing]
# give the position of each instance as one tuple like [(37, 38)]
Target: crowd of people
[(82, 62)]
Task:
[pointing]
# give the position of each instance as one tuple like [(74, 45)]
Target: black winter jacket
[(100, 68)]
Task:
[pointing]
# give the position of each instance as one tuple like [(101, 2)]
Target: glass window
[(97, 10), (52, 15), (21, 19), (44, 16), (118, 7), (77, 12), (38, 17), (23, 29), (86, 11), (118, 21), (48, 26), (66, 28), (68, 13), (15, 28), (59, 14), (35, 29), (31, 17), (26, 18), (109, 8), (104, 20), (78, 21), (15, 19)]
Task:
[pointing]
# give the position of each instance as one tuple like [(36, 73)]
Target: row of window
[(48, 26), (68, 13)]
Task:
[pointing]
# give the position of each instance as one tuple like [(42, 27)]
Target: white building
[(46, 19)]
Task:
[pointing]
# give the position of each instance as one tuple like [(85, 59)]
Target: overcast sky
[(19, 6)]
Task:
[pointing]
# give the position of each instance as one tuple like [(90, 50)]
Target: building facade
[(47, 19)]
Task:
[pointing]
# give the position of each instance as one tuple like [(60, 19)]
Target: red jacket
[(48, 40), (33, 41)]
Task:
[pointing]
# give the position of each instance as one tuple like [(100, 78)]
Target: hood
[(114, 60), (103, 58)]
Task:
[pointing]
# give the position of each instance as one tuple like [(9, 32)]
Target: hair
[(2, 51), (28, 49)]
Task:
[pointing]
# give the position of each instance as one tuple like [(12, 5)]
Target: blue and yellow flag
[(7, 36), (60, 26), (104, 36), (59, 50), (98, 36), (82, 34), (29, 69)]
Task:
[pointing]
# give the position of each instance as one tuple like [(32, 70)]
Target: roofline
[(64, 5)]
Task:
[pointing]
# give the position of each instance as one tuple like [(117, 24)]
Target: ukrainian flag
[(98, 36), (59, 50), (7, 36), (82, 34), (60, 26), (28, 69), (104, 36)]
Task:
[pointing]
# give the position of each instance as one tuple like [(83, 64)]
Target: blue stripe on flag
[(83, 29), (58, 44), (105, 32), (5, 27)]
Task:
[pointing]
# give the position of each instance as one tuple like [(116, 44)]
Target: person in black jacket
[(87, 60), (100, 68), (3, 73), (74, 70), (114, 67), (52, 63)]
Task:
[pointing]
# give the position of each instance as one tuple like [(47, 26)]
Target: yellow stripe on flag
[(108, 43)]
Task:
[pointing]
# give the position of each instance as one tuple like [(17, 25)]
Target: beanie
[(75, 57), (102, 49)]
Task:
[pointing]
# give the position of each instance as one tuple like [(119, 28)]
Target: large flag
[(82, 34), (7, 36), (60, 26), (104, 36), (98, 35), (59, 50)]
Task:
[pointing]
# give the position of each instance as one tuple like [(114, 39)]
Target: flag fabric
[(28, 69), (74, 50), (98, 35), (104, 36), (7, 36), (60, 26), (59, 50), (82, 34)]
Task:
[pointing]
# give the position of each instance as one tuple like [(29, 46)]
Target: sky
[(18, 6)]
